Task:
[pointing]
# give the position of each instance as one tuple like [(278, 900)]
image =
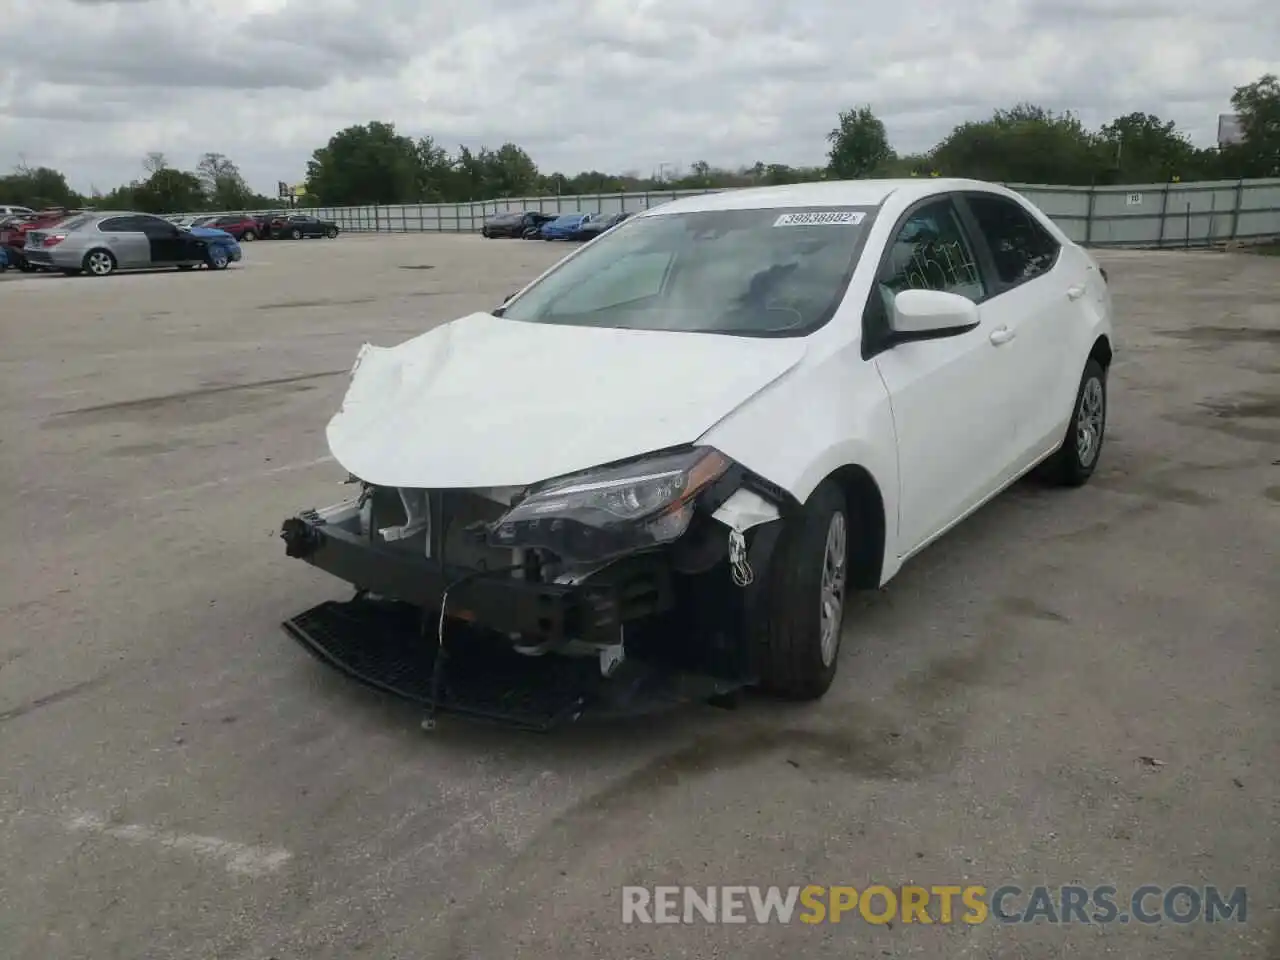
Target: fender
[(802, 428)]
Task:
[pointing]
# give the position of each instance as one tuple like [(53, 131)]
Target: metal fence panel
[(1133, 215)]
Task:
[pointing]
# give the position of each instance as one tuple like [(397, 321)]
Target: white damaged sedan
[(674, 452)]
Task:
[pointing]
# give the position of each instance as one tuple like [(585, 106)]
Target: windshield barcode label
[(820, 218)]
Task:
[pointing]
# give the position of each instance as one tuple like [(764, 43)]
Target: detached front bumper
[(680, 636)]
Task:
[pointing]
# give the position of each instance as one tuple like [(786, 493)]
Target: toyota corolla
[(661, 466)]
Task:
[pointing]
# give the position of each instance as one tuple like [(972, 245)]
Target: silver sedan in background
[(102, 243)]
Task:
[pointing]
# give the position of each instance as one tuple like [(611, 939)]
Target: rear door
[(950, 396), (1038, 286), (124, 237)]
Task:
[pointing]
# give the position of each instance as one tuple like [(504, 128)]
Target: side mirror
[(926, 314)]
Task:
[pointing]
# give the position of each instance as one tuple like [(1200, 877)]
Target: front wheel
[(799, 641), (1074, 462), (218, 258)]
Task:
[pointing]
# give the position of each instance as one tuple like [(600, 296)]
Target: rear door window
[(1021, 248)]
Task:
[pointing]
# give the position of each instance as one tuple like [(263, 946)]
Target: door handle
[(1075, 293), (1002, 335)]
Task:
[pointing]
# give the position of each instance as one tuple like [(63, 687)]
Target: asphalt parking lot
[(1073, 687)]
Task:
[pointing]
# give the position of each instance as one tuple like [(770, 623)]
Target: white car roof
[(843, 193)]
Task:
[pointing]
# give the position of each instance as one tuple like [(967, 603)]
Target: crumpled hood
[(488, 402)]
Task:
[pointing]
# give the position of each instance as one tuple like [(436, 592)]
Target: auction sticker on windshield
[(821, 217)]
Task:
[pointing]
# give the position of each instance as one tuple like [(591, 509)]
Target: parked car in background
[(9, 210), (267, 221), (563, 227), (4, 260), (515, 224), (240, 225), (14, 230), (99, 244), (597, 224), (300, 226)]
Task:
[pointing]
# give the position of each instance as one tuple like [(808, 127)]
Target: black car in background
[(516, 225), (298, 226), (590, 229)]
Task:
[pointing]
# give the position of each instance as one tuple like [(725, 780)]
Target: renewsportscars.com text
[(944, 904)]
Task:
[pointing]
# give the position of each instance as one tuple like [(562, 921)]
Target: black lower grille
[(384, 645)]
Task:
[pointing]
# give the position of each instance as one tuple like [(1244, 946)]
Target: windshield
[(774, 272)]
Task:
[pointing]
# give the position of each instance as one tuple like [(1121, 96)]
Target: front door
[(168, 244), (949, 396)]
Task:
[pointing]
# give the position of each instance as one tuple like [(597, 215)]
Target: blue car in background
[(4, 260), (224, 249), (563, 227)]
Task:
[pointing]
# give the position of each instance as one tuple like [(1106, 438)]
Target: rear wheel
[(296, 234), (99, 263), (799, 642), (249, 236), (1077, 458), (332, 233)]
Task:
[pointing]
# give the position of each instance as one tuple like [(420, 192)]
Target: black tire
[(332, 233), (1074, 462), (296, 234), (248, 237), (217, 258), (790, 651), (99, 263)]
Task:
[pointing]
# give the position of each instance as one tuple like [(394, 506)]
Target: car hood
[(489, 402), (209, 233)]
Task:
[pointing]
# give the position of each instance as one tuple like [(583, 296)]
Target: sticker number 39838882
[(821, 218)]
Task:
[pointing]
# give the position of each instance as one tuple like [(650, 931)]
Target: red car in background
[(14, 230), (240, 225)]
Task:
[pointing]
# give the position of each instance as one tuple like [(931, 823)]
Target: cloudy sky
[(90, 86)]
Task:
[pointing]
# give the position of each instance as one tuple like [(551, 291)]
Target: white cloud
[(604, 84)]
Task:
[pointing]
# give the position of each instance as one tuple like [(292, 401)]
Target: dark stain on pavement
[(1026, 607), (203, 405), (303, 304), (66, 693), (1224, 335)]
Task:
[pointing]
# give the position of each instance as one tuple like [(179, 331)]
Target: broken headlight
[(608, 512)]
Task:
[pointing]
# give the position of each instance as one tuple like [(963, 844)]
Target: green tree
[(508, 172), (37, 187), (365, 164), (223, 184), (1024, 144), (435, 172), (859, 145), (169, 191), (1257, 105), (1142, 148)]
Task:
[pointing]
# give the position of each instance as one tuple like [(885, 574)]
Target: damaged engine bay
[(618, 589)]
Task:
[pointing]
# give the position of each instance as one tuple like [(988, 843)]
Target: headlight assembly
[(605, 513)]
